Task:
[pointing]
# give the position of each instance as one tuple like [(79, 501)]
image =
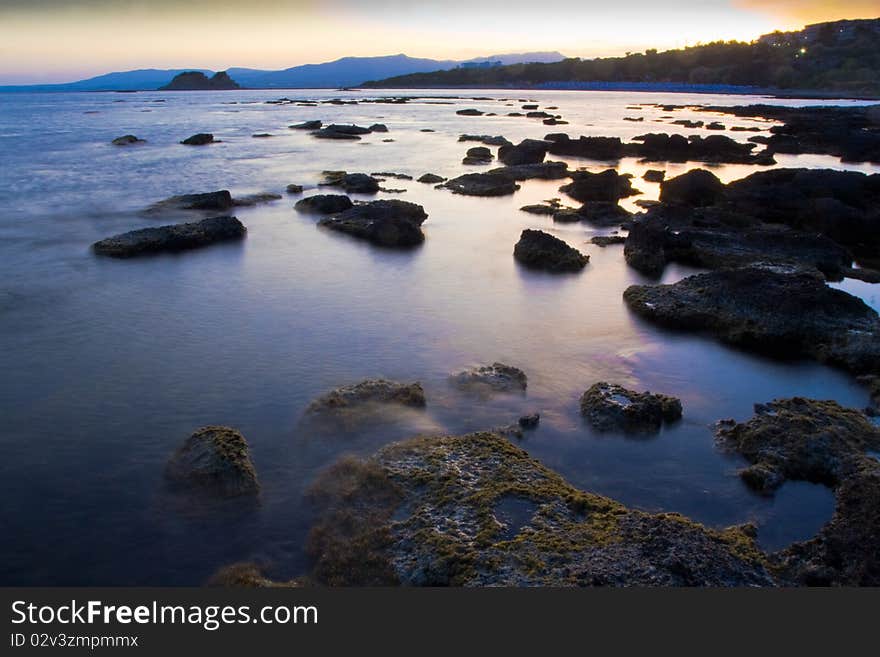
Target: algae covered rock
[(475, 510), (540, 250), (214, 460), (822, 442), (611, 407), (368, 392), (496, 377)]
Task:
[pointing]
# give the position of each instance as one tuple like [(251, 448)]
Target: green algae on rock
[(823, 442), (214, 460), (475, 510), (370, 391)]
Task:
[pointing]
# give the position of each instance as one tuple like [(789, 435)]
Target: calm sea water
[(109, 365)]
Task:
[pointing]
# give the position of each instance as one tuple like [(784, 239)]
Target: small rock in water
[(610, 407), (199, 139), (255, 199), (431, 178), (496, 377), (214, 460), (261, 135), (307, 125), (540, 250), (530, 421), (654, 175), (127, 140), (177, 237), (389, 223), (294, 189), (370, 391), (324, 204)]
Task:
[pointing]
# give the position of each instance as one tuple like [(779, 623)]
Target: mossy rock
[(214, 460)]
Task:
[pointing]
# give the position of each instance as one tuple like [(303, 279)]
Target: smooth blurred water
[(109, 365)]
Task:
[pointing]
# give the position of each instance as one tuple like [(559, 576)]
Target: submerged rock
[(496, 377), (255, 199), (294, 189), (368, 392), (390, 223), (821, 442), (489, 140), (540, 250), (475, 510), (127, 140), (199, 139), (610, 407), (605, 186), (778, 311), (604, 213), (490, 183), (530, 421), (324, 204), (214, 460), (326, 133), (219, 200), (430, 178), (607, 240), (172, 238)]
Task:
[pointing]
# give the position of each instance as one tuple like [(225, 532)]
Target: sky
[(44, 41)]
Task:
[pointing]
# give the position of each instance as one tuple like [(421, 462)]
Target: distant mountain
[(345, 72), (196, 81), (841, 57)]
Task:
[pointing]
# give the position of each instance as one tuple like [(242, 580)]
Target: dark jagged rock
[(352, 183), (476, 510), (610, 407), (850, 133), (488, 140), (214, 460), (219, 200), (478, 155), (773, 310), (198, 81), (324, 204), (496, 377), (676, 148), (430, 178), (199, 139), (307, 125), (654, 175), (127, 140), (821, 442), (368, 393), (490, 183), (605, 186), (594, 148), (697, 187), (178, 237), (528, 151), (389, 223), (540, 250)]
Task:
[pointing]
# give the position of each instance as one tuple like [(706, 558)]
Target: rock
[(476, 510), (541, 208), (779, 311), (389, 223), (326, 133), (489, 140), (530, 421), (567, 216), (219, 200), (490, 183), (307, 125), (391, 174), (199, 139), (367, 393), (654, 175), (687, 124), (469, 112), (294, 189), (496, 377), (478, 155), (715, 125), (540, 250), (127, 140), (610, 407), (214, 460), (352, 183), (594, 148), (605, 186), (604, 213), (431, 178), (543, 171), (324, 204), (697, 187), (539, 115), (349, 129), (676, 148), (378, 127), (866, 275), (635, 119), (821, 442), (261, 135), (255, 199), (528, 151), (607, 240), (172, 238), (530, 107), (554, 122)]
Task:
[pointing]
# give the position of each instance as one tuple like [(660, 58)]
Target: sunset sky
[(65, 40)]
